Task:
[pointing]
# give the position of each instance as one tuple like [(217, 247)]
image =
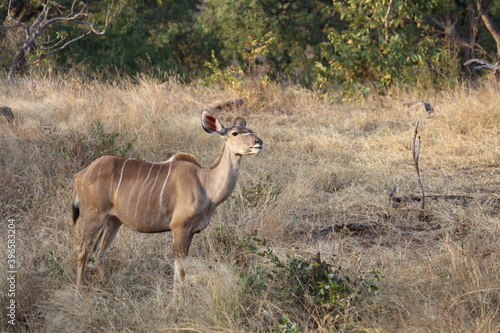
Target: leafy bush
[(287, 326), (78, 151), (307, 277), (106, 144), (54, 263), (305, 283), (231, 77), (249, 79), (264, 190), (360, 58)]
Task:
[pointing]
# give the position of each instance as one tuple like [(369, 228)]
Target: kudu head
[(240, 140)]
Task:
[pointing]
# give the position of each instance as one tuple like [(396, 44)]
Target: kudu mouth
[(257, 148), (258, 145)]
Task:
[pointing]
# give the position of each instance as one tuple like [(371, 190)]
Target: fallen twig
[(464, 198), (483, 64), (353, 227)]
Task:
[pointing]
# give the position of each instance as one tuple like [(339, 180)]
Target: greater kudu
[(177, 195)]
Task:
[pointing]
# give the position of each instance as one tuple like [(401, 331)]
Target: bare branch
[(73, 7), (18, 23), (68, 18), (43, 55), (482, 64), (92, 27), (489, 23), (416, 157), (43, 21), (42, 16)]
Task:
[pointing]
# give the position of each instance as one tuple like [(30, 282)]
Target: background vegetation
[(309, 241), (359, 46)]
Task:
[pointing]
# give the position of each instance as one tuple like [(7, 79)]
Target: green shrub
[(106, 144), (77, 151), (54, 263), (287, 326), (264, 190), (250, 79), (361, 60), (309, 283)]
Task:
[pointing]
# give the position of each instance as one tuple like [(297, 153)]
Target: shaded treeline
[(352, 43)]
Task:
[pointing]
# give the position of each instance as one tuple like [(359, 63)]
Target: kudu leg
[(102, 242), (182, 241), (91, 225)]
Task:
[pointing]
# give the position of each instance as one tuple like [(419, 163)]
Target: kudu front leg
[(182, 241)]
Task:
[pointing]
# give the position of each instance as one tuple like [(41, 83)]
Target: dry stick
[(416, 156), (405, 209), (391, 195)]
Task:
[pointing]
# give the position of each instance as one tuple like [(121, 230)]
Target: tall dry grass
[(329, 165)]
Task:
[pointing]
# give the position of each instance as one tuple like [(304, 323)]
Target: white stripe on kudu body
[(183, 203), (98, 178), (153, 186), (120, 181), (163, 187), (142, 188), (137, 178)]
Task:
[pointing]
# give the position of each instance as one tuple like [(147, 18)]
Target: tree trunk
[(17, 64), (488, 22)]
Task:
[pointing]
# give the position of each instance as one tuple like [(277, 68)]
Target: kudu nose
[(258, 141)]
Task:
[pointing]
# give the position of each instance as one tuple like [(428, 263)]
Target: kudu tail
[(75, 207)]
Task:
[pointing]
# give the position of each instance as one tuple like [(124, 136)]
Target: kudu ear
[(240, 122), (211, 124)]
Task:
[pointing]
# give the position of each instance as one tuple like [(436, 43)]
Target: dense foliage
[(378, 49), (359, 45)]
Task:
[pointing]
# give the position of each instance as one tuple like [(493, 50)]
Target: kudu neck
[(222, 176)]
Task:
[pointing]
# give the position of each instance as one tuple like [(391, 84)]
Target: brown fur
[(187, 158)]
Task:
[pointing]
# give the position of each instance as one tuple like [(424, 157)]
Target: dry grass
[(332, 164)]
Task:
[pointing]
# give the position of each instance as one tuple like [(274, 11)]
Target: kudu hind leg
[(103, 240), (91, 226)]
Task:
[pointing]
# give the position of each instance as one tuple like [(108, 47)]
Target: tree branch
[(482, 64), (450, 29), (389, 9), (488, 22), (43, 21), (18, 23), (43, 55)]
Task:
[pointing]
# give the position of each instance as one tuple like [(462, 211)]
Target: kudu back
[(177, 195)]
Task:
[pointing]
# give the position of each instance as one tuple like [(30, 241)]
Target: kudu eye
[(234, 133)]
